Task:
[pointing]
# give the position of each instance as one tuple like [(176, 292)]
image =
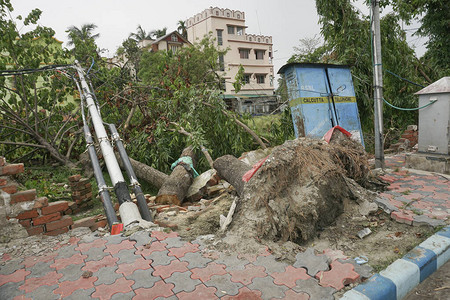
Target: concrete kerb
[(403, 275)]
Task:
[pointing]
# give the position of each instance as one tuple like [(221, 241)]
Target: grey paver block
[(127, 256), (160, 258), (71, 272), (80, 294), (270, 264), (425, 220), (89, 238), (123, 296), (11, 266), (173, 297), (365, 271), (141, 238), (311, 262), (44, 292), (268, 289), (143, 279), (224, 285), (10, 290), (174, 242), (95, 254), (232, 262), (69, 251), (40, 269), (385, 204), (195, 260), (182, 282), (115, 239), (107, 275), (314, 290)]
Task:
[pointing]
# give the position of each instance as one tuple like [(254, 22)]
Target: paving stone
[(200, 292), (290, 276), (232, 262), (311, 262), (174, 242), (106, 291), (385, 204), (32, 260), (31, 284), (106, 275), (339, 276), (160, 289), (224, 285), (244, 293), (44, 292), (246, 276), (268, 289), (123, 296), (66, 288), (270, 264), (425, 220), (71, 272), (181, 251), (127, 256), (9, 290), (195, 260), (11, 266), (95, 265), (97, 243), (204, 274), (89, 238), (314, 290), (292, 295), (160, 258), (40, 269), (115, 239), (61, 263), (161, 235), (95, 254), (16, 276), (173, 297), (68, 251), (143, 279), (80, 294), (168, 270), (183, 281), (365, 271), (115, 248), (141, 238), (139, 264), (145, 251)]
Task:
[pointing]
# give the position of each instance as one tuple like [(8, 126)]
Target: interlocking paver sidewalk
[(155, 264)]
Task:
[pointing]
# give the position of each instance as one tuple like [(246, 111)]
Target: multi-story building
[(253, 52)]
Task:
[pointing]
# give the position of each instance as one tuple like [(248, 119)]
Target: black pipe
[(142, 203)]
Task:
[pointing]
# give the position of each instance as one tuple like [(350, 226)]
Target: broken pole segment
[(232, 169)]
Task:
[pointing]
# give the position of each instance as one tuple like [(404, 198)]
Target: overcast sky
[(285, 20)]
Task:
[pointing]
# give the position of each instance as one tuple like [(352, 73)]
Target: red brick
[(47, 218), (3, 181), (75, 178), (55, 207), (10, 188), (57, 231), (35, 230), (85, 222), (23, 196), (27, 214), (40, 202), (81, 192), (99, 224), (25, 223), (63, 222), (11, 169)]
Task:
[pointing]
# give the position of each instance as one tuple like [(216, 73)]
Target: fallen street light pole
[(129, 212)]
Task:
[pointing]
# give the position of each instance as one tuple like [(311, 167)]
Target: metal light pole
[(378, 86)]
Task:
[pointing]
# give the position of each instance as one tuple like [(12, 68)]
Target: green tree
[(182, 28), (83, 41), (157, 33), (140, 34)]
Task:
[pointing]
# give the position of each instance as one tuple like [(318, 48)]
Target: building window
[(259, 40), (217, 12), (250, 39), (228, 15), (239, 30), (267, 41), (230, 29), (174, 48), (238, 16), (219, 38), (259, 54), (260, 78), (174, 38), (221, 63), (244, 53), (247, 78), (222, 84)]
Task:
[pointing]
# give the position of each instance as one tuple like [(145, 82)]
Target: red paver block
[(6, 257), (290, 276), (245, 294), (441, 196), (46, 219), (168, 270), (161, 235), (139, 264), (73, 240), (53, 207), (29, 214), (115, 248), (95, 265), (291, 295), (63, 222), (200, 292), (105, 291), (11, 169), (414, 196), (61, 263), (246, 276), (17, 276), (160, 289), (438, 214), (402, 217), (388, 178), (23, 196), (32, 260), (66, 288), (33, 283), (339, 275), (186, 248), (83, 247), (154, 246), (205, 274)]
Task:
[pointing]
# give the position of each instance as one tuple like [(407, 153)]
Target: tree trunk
[(232, 169), (55, 153), (175, 188), (146, 173)]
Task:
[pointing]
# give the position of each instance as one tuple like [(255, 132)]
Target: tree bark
[(232, 169), (175, 188)]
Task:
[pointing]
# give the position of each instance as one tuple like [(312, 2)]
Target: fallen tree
[(232, 169)]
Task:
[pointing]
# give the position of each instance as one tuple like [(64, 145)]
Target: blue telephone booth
[(321, 96)]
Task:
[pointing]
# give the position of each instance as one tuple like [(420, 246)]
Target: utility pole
[(378, 85)]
